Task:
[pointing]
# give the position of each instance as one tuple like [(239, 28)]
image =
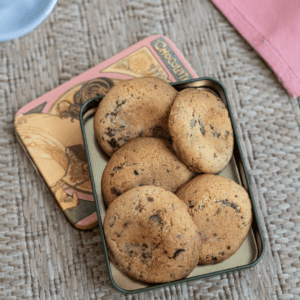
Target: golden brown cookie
[(223, 213), (151, 236), (143, 161), (133, 108), (201, 130)]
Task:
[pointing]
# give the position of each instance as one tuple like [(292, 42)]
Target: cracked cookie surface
[(222, 210), (201, 131), (151, 236), (143, 161), (133, 108)]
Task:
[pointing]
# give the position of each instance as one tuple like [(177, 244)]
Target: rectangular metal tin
[(249, 254)]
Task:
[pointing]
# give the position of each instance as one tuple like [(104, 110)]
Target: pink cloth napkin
[(272, 27)]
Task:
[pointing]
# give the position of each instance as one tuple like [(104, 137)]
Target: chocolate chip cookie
[(151, 236), (143, 161), (133, 108), (222, 210), (201, 130)]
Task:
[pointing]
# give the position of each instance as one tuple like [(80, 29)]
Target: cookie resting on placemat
[(143, 161), (223, 213), (151, 236), (133, 108), (201, 130)]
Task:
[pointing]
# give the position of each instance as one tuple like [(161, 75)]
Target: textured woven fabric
[(41, 255)]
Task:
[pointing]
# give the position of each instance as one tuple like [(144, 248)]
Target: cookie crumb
[(201, 126)]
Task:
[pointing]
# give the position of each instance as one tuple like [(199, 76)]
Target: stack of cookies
[(163, 218)]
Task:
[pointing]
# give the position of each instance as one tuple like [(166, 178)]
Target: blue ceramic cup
[(18, 17)]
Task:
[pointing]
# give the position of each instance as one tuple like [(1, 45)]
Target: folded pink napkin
[(272, 27)]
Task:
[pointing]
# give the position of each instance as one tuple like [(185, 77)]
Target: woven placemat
[(41, 255)]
